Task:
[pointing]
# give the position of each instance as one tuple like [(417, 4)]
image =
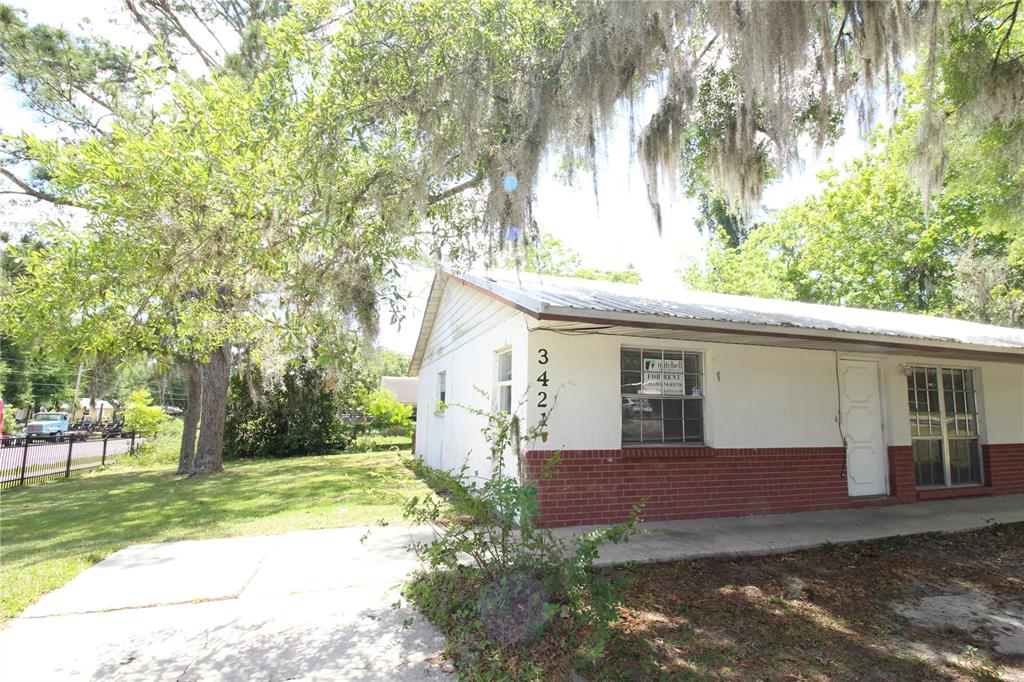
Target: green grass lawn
[(50, 532)]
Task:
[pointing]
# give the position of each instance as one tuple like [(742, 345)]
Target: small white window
[(503, 360), (442, 392)]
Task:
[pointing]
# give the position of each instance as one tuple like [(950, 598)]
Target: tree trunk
[(191, 416), (210, 450)]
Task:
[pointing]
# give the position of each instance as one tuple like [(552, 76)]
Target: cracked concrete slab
[(307, 605)]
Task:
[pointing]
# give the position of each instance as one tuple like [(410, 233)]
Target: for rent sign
[(663, 377)]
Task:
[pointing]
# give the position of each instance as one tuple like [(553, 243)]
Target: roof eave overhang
[(749, 333), (509, 297), (429, 313), (780, 334)]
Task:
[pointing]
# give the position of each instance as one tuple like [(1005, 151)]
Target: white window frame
[(945, 437), (442, 392), (500, 383)]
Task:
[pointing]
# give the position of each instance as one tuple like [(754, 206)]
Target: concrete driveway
[(307, 605)]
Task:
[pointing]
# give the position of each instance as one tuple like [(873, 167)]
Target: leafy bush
[(514, 601), (9, 425), (297, 415), (376, 443), (386, 412), (162, 449), (141, 415)]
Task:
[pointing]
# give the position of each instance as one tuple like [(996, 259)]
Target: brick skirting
[(602, 486), (1004, 467)]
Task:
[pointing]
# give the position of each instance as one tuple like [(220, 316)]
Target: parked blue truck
[(48, 425)]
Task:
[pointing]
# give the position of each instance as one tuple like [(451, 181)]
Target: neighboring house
[(707, 404), (405, 390), (95, 410)]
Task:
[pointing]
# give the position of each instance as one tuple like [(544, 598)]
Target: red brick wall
[(902, 481), (1004, 467), (602, 486)]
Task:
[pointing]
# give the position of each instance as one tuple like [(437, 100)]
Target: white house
[(701, 404)]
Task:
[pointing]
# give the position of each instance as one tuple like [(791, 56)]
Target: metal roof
[(546, 295), (565, 299)]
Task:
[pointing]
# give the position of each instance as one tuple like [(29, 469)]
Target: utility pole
[(78, 384)]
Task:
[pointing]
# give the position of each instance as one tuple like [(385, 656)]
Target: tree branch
[(31, 191), (169, 14), (456, 189), (1009, 31)]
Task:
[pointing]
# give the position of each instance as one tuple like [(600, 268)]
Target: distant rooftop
[(403, 388)]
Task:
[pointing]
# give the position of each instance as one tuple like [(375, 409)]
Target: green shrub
[(161, 449), (141, 415), (298, 415), (514, 601), (386, 412), (378, 442), (9, 425)]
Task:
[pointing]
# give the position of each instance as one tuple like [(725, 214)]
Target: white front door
[(860, 404)]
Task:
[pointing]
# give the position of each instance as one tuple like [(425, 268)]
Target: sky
[(617, 230)]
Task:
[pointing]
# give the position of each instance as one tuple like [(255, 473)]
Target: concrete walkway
[(778, 533), (323, 604), (306, 605)]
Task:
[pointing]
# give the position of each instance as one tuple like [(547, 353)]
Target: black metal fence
[(27, 458)]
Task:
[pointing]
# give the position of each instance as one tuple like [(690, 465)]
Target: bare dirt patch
[(973, 610)]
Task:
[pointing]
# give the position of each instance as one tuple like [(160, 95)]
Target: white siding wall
[(756, 396), (469, 328)]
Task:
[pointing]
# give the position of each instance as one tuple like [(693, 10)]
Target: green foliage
[(8, 426), (391, 363), (551, 256), (32, 377), (159, 378), (141, 415), (383, 408), (209, 221), (68, 79), (501, 588), (866, 240), (377, 443), (162, 449), (969, 103), (628, 276), (716, 217), (296, 414)]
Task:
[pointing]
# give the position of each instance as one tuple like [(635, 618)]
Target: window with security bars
[(662, 394), (944, 426)]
